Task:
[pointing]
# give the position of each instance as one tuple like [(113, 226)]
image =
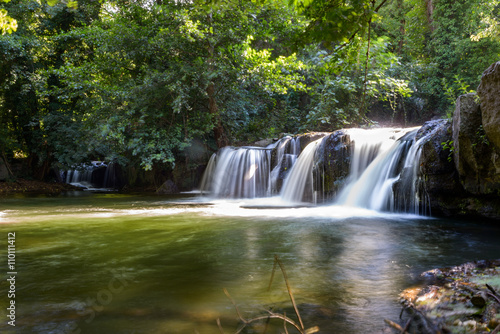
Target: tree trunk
[(430, 10), (219, 133), (402, 26)]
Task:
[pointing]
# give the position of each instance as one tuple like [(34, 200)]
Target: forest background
[(151, 84)]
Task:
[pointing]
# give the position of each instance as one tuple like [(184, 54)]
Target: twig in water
[(271, 315), (404, 330), (284, 322), (235, 306), (220, 326), (492, 290), (395, 326), (276, 259)]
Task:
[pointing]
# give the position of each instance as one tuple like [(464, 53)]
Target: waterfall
[(299, 184), (242, 172), (249, 172), (96, 175), (389, 182), (380, 172), (287, 150)]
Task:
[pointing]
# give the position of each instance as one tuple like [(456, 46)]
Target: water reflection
[(176, 256)]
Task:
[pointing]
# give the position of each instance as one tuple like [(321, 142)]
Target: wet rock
[(437, 171), (458, 300), (445, 190), (477, 162), (263, 142), (168, 188), (332, 163), (489, 92), (307, 138)]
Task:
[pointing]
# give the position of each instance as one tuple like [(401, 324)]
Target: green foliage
[(453, 91), (481, 138), (448, 145), (339, 85), (138, 81)]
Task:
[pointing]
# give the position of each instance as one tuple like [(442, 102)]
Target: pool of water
[(113, 263)]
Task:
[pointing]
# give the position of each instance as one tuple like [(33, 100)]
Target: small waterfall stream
[(371, 184), (299, 183), (242, 172), (95, 176)]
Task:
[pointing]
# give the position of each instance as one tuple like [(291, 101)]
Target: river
[(116, 263)]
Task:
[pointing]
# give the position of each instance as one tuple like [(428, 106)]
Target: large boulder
[(168, 188), (476, 159), (445, 193), (332, 163), (489, 93), (437, 170), (286, 152)]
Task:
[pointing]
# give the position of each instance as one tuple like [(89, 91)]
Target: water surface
[(112, 263)]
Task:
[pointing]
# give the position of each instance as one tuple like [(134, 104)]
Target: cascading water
[(95, 176), (238, 173), (245, 172), (299, 184), (390, 182), (384, 171), (287, 151), (370, 184)]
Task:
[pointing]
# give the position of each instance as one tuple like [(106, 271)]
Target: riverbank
[(34, 186), (462, 299)]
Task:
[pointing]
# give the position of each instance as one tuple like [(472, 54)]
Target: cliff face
[(460, 163)]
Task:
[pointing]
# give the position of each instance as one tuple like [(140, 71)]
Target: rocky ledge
[(462, 299), (34, 186)]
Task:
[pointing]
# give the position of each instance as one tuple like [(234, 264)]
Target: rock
[(479, 300), (440, 180), (489, 93), (263, 142), (283, 171), (332, 163), (307, 138), (456, 301), (168, 188), (445, 193), (437, 170), (477, 162)]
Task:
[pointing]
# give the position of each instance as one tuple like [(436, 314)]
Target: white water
[(293, 146), (238, 173), (383, 175), (373, 187), (299, 183)]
